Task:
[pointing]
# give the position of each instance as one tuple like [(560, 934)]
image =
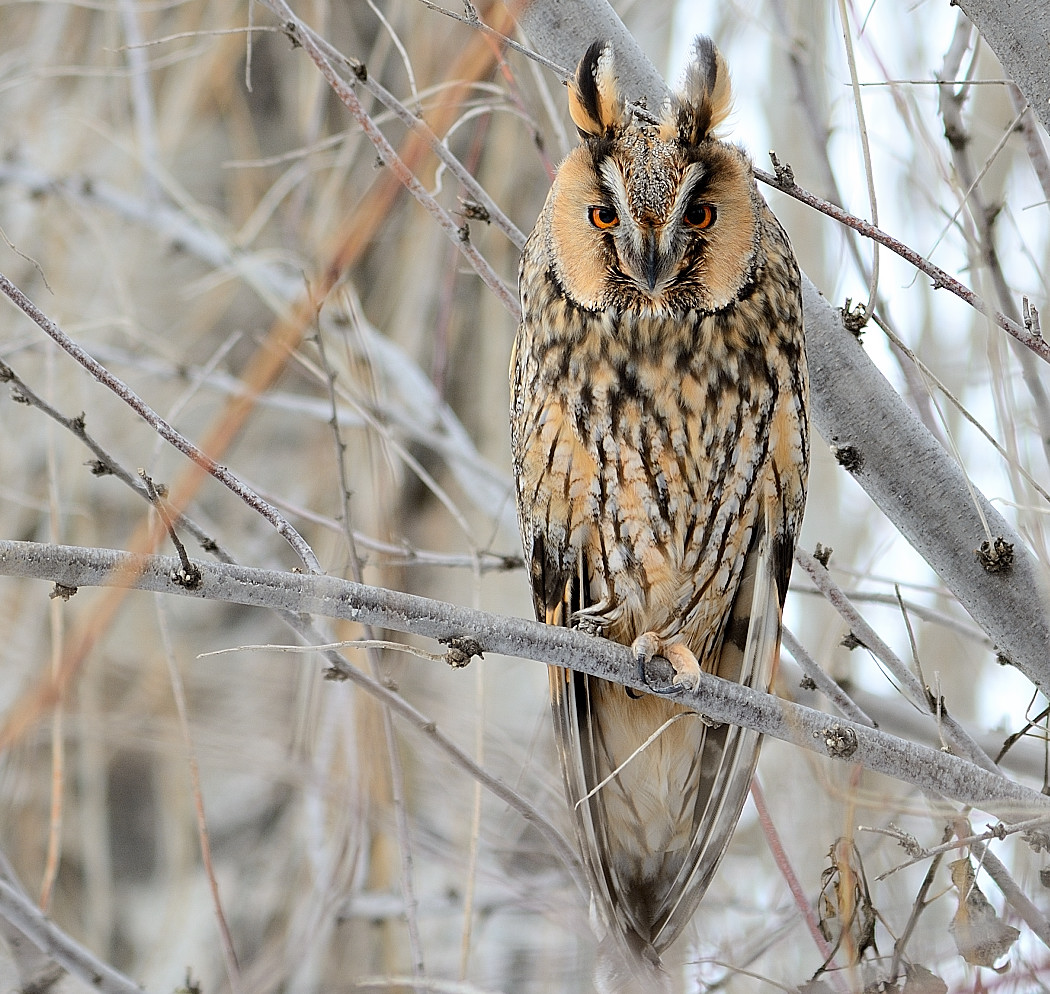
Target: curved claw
[(686, 669)]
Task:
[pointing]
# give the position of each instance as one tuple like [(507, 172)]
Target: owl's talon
[(686, 669), (589, 624)]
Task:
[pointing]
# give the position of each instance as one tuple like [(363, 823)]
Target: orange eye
[(700, 216), (603, 217)]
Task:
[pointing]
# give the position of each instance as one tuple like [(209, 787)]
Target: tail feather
[(653, 823)]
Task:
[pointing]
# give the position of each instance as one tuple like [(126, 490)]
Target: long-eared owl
[(659, 429)]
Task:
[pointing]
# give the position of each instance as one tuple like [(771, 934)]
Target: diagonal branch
[(784, 181), (719, 700)]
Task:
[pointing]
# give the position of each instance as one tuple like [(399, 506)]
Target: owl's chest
[(634, 451)]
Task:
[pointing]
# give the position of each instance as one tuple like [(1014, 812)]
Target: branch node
[(822, 554), (854, 319), (784, 173), (62, 591), (474, 211), (1031, 318), (291, 30), (461, 650), (849, 457), (188, 576), (840, 740), (996, 556)]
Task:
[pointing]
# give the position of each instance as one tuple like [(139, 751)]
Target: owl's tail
[(656, 790), (624, 969)]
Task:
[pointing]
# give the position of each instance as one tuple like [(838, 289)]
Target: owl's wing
[(729, 753)]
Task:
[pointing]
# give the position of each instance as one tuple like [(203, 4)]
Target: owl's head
[(654, 215)]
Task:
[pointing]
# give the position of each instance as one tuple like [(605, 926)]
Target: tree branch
[(719, 700), (1018, 32), (174, 438), (27, 918)]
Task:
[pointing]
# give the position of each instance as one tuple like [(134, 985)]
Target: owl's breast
[(642, 464)]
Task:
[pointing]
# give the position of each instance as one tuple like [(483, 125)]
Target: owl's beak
[(652, 261)]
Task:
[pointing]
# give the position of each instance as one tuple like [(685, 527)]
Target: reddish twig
[(780, 857), (784, 181)]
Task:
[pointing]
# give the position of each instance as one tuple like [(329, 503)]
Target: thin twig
[(178, 693), (457, 234), (475, 22), (160, 426), (439, 147), (397, 775), (918, 907), (871, 640), (20, 911), (828, 687), (1015, 896), (784, 181), (787, 871), (869, 175)]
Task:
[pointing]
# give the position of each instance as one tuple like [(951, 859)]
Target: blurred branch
[(160, 426), (417, 125), (950, 102), (904, 469), (414, 407), (459, 235), (470, 632), (27, 918)]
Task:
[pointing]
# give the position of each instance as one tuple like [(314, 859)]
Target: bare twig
[(871, 640), (20, 911), (363, 78), (873, 203), (178, 693), (997, 831), (787, 871), (457, 234), (828, 687), (784, 181), (1015, 896), (160, 426)]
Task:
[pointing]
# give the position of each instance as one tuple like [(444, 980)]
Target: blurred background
[(193, 205)]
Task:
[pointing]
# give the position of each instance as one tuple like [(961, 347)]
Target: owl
[(659, 428)]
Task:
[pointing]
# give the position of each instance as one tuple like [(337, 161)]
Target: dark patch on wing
[(548, 574), (783, 554)]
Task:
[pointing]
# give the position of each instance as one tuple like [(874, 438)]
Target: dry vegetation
[(204, 217)]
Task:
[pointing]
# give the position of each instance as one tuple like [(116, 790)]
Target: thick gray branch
[(905, 470), (1018, 31), (720, 700)]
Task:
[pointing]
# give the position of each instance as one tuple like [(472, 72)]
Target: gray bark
[(1018, 31), (720, 700)]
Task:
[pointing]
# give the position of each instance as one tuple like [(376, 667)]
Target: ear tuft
[(704, 98), (595, 103)]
